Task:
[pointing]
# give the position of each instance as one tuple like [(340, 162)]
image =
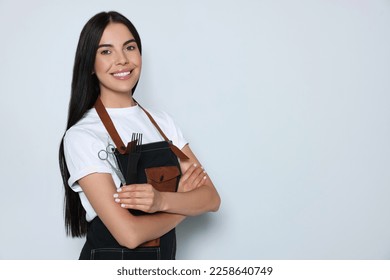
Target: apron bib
[(157, 164)]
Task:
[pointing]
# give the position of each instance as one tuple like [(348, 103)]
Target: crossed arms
[(196, 195)]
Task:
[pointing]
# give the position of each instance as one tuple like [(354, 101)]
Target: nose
[(121, 58)]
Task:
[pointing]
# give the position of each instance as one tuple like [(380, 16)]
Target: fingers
[(198, 179), (136, 203), (189, 171), (134, 188), (138, 196), (192, 178), (194, 173)]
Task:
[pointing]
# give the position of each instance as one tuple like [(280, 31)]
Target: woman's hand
[(192, 178), (139, 197)]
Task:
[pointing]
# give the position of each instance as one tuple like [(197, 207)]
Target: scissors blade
[(115, 168), (120, 175)]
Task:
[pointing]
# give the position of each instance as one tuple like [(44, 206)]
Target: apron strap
[(174, 149), (108, 124)]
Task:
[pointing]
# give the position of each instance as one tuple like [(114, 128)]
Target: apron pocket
[(164, 178), (126, 254)]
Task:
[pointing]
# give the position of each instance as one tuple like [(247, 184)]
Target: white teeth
[(122, 74)]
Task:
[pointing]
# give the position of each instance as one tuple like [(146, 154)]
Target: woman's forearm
[(192, 203), (149, 227)]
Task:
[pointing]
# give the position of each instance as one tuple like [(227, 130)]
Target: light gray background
[(286, 103)]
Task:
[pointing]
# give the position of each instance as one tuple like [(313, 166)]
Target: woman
[(106, 72)]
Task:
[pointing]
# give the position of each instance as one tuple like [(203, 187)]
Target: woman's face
[(118, 60)]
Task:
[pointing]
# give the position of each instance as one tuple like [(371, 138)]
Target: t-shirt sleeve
[(81, 154), (174, 133)]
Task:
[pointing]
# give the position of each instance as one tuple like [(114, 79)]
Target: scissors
[(104, 154)]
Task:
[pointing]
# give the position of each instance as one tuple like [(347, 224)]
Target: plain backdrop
[(286, 104)]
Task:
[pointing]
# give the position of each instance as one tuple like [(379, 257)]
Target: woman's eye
[(104, 52), (130, 48)]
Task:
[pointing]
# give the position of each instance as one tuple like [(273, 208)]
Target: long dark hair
[(84, 92)]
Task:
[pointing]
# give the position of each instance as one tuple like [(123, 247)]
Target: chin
[(124, 88)]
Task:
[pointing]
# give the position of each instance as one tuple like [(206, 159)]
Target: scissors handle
[(102, 154)]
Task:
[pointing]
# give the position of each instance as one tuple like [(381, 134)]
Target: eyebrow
[(110, 45)]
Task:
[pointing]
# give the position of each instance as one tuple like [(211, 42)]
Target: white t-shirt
[(84, 140)]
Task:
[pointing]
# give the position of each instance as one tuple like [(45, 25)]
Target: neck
[(117, 100)]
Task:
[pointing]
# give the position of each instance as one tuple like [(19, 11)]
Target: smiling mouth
[(121, 74)]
